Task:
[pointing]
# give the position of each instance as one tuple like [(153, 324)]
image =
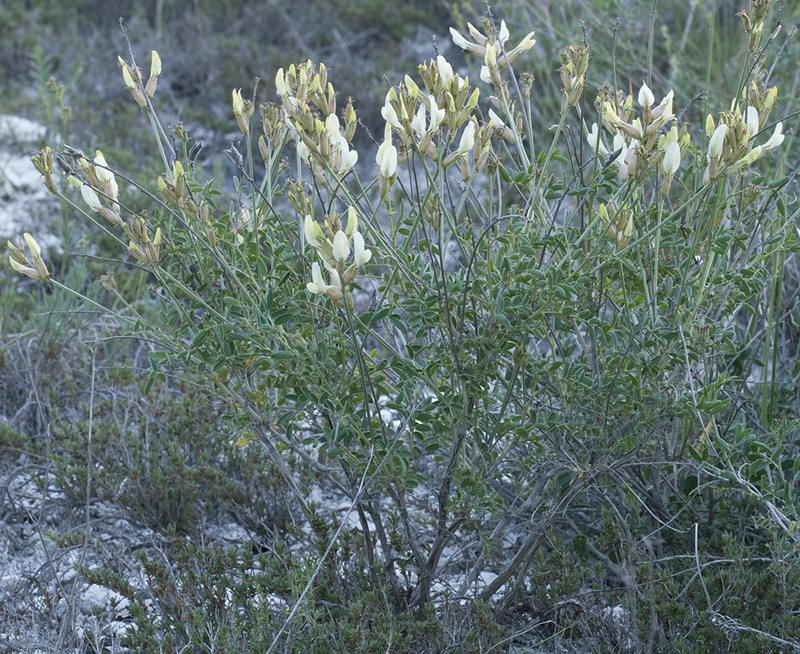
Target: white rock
[(69, 575), (14, 129), (231, 532), (98, 596), (119, 628), (25, 204)]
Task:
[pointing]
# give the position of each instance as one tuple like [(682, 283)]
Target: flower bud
[(155, 72), (709, 125), (352, 222), (313, 232), (239, 111), (262, 148), (646, 98)]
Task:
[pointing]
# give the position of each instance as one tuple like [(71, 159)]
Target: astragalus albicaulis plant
[(481, 331)]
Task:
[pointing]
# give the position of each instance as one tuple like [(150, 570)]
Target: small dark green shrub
[(171, 462)]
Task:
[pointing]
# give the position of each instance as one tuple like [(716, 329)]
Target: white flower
[(303, 151), (503, 34), (775, 140), (479, 37), (390, 115), (717, 141), (361, 255), (445, 70), (90, 197), (622, 161), (348, 157), (526, 44), (335, 287), (318, 285), (490, 57), (646, 97), (237, 102), (418, 123), (313, 232), (495, 120), (672, 159), (752, 121), (437, 115), (155, 64), (332, 128), (460, 41), (750, 157), (19, 261), (348, 161), (595, 142), (341, 248), (387, 159), (101, 170), (467, 140), (666, 103), (411, 85), (709, 125), (111, 188), (352, 221), (637, 125)]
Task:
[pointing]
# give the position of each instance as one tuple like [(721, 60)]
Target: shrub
[(171, 465), (491, 334)]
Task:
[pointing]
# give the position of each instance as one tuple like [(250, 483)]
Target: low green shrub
[(171, 463)]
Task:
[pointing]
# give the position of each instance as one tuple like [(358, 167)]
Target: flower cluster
[(43, 161), (100, 178), (322, 141), (333, 245), (132, 78), (638, 143), (428, 122), (272, 127), (574, 64), (618, 224), (491, 46), (100, 193), (753, 22), (172, 186), (32, 266), (730, 146), (141, 245)]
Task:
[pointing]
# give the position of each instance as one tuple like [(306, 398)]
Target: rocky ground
[(49, 607)]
